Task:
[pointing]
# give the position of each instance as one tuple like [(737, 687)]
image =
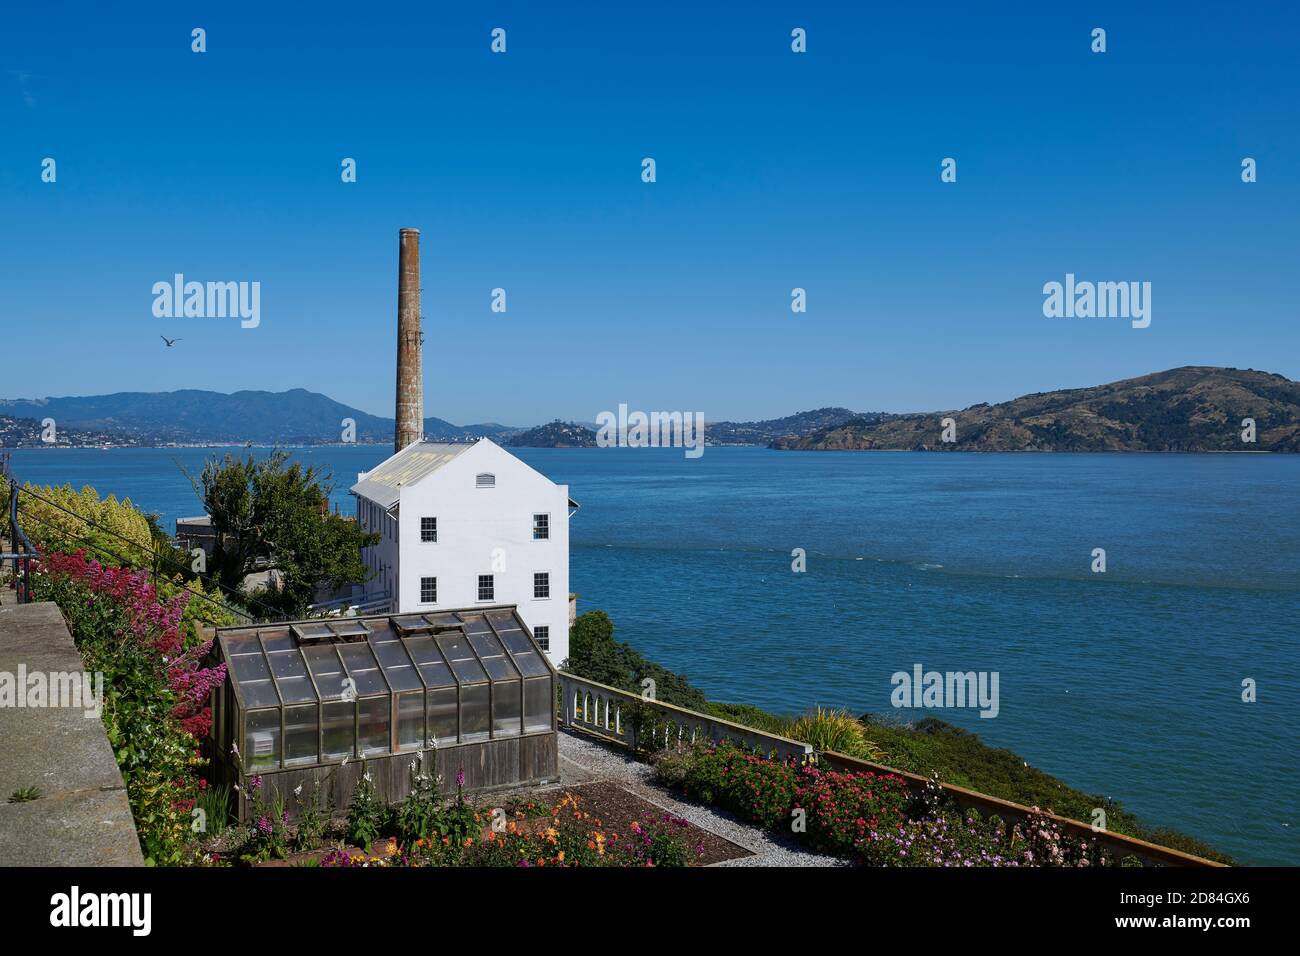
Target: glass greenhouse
[(326, 691)]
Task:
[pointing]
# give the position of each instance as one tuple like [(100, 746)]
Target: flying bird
[(170, 342)]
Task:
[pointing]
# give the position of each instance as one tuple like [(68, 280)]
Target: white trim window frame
[(544, 584), (429, 528), (423, 589), (491, 588)]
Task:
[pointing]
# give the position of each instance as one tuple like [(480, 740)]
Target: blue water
[(1126, 683)]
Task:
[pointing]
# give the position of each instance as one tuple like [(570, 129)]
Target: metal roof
[(418, 460), (277, 665)]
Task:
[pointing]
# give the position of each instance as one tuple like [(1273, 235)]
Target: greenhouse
[(467, 692)]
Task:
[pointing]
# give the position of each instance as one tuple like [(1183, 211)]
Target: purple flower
[(264, 826), (460, 777)]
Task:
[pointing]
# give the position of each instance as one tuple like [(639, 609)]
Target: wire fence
[(160, 560), (162, 565)]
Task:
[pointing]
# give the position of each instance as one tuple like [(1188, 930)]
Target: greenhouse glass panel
[(461, 657), (337, 724), (530, 665), (311, 632), (474, 625), (345, 630), (437, 675), (516, 641), (373, 716), (422, 649), (397, 665), (410, 624), (245, 643), (251, 666), (505, 709), (262, 739), (297, 690), (300, 738), (442, 715), (287, 663), (410, 721), (259, 693), (539, 701), (278, 639), (361, 665), (326, 670), (486, 645), (474, 718)]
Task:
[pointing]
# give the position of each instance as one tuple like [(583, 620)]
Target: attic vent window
[(485, 480)]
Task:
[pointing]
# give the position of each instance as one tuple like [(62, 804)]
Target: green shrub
[(367, 814), (595, 655), (835, 730), (754, 788), (419, 814), (751, 716), (671, 767), (214, 803), (266, 836)]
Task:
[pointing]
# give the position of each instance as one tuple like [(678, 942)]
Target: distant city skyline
[(775, 171)]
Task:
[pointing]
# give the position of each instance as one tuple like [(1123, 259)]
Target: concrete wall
[(82, 816)]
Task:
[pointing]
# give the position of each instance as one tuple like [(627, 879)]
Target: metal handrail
[(24, 551)]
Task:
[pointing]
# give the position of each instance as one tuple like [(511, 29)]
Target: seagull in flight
[(170, 342)]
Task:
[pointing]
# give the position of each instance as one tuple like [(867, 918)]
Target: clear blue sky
[(522, 170)]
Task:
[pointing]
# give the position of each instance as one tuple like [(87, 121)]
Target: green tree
[(269, 514), (595, 655)]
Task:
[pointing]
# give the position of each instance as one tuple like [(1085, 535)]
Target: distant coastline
[(1189, 409)]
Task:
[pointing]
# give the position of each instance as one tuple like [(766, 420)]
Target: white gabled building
[(469, 524)]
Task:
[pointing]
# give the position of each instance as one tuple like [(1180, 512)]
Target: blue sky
[(522, 170)]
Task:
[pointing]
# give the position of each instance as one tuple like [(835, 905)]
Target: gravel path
[(583, 759)]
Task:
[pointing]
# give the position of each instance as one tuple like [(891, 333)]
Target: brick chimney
[(410, 369)]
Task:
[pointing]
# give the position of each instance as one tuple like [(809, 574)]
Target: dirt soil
[(616, 807)]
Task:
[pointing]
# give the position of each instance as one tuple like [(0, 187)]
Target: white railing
[(642, 724)]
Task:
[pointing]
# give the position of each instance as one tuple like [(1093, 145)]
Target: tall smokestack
[(410, 370)]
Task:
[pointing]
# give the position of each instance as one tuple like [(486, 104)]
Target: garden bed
[(593, 824), (610, 802), (872, 819)]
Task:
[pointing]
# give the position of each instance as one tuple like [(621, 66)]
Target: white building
[(465, 525)]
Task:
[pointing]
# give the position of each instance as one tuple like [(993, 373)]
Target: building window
[(541, 527), (429, 530), (485, 480), (542, 584), (486, 590), (428, 590), (543, 635)]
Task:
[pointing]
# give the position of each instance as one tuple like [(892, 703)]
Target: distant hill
[(774, 429), (555, 434), (1194, 408), (191, 415)]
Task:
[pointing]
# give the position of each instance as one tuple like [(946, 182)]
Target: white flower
[(297, 791)]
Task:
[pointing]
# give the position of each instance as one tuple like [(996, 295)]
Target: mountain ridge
[(249, 415), (1196, 408)]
